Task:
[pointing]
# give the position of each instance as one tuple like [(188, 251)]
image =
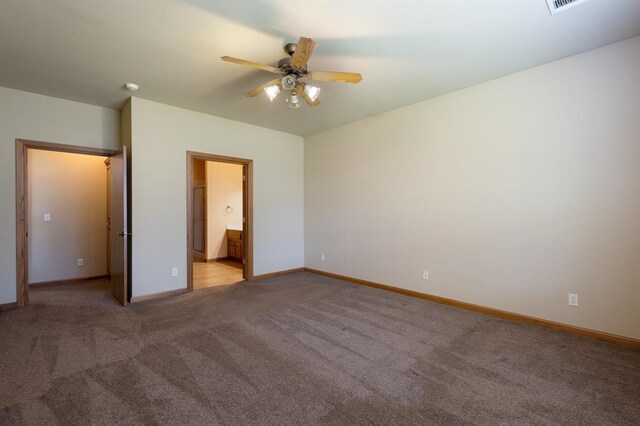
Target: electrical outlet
[(573, 299), (47, 217), (425, 275), (322, 257), (174, 272), (80, 262)]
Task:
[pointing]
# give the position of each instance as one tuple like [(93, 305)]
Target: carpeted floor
[(298, 349)]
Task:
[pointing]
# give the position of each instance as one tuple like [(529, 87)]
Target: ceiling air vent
[(557, 6)]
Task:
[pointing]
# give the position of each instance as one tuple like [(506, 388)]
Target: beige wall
[(224, 188), (72, 188), (161, 137), (511, 193), (29, 116)]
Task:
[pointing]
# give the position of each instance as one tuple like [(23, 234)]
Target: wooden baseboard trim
[(159, 295), (67, 281), (278, 273), (594, 334), (8, 306)]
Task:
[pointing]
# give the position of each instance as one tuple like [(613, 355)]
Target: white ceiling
[(407, 51)]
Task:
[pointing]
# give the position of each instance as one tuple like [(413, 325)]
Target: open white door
[(119, 231)]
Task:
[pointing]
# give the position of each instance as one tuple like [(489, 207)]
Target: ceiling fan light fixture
[(293, 72), (288, 82), (294, 100), (272, 91), (312, 92)]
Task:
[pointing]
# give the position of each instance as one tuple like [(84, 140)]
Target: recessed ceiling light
[(132, 87)]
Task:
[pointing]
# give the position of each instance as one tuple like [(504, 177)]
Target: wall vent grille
[(557, 6)]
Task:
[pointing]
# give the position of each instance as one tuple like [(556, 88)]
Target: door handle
[(124, 234)]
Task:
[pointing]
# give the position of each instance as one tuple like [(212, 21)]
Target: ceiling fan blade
[(307, 99), (260, 89), (341, 77), (251, 64), (303, 52)]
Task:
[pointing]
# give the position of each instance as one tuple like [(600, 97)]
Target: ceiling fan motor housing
[(284, 62), (286, 68)]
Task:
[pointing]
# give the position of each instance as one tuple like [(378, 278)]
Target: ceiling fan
[(293, 72)]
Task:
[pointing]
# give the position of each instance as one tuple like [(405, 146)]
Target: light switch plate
[(47, 217)]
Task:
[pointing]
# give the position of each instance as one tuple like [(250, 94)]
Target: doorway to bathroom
[(219, 211)]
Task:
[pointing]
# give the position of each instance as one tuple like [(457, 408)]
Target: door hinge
[(244, 178), (244, 219), (244, 261)]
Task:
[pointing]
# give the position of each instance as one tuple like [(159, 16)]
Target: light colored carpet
[(298, 349)]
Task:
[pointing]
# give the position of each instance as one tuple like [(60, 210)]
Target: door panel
[(119, 231)]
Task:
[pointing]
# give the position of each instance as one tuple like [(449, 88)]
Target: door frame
[(247, 210), (22, 207)]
